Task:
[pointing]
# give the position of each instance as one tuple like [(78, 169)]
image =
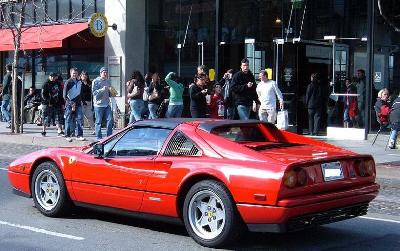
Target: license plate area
[(332, 171)]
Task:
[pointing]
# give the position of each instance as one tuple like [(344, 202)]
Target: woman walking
[(135, 96), (155, 96)]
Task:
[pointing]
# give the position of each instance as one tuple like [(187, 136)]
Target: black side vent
[(180, 145)]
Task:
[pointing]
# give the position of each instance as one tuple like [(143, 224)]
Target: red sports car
[(217, 176)]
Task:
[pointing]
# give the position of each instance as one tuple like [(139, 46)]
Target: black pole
[(370, 66), (217, 37), (21, 127)]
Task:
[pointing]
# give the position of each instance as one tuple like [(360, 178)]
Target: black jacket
[(159, 90), (86, 93), (226, 91), (314, 96), (52, 93), (241, 93), (198, 101), (7, 86)]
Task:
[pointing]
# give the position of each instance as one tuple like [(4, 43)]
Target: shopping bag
[(282, 121)]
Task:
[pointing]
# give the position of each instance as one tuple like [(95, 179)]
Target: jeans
[(137, 106), (153, 110), (100, 113), (73, 119), (393, 136), (244, 112), (314, 121), (230, 112), (6, 110), (174, 111)]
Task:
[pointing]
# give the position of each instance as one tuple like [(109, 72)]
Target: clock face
[(390, 11)]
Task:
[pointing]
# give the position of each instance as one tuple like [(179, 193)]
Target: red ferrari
[(218, 177)]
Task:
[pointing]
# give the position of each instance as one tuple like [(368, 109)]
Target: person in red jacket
[(217, 103)]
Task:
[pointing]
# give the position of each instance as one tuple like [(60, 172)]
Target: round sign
[(98, 24)]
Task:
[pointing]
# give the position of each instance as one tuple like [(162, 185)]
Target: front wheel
[(210, 215), (49, 191)]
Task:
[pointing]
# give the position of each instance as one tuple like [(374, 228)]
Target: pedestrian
[(382, 107), (73, 106), (314, 103), (101, 88), (155, 97), (52, 104), (395, 122), (7, 95), (350, 105), (244, 90), (229, 105), (135, 89), (147, 81), (175, 105), (197, 93), (217, 103), (267, 91), (87, 100), (361, 99), (31, 104)]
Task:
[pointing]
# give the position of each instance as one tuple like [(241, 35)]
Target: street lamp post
[(179, 47)]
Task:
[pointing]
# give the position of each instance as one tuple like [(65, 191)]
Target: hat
[(103, 69), (53, 74)]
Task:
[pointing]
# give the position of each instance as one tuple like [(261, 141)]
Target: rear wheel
[(210, 215), (49, 191)]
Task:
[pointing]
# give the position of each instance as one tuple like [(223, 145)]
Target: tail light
[(295, 178), (365, 167)]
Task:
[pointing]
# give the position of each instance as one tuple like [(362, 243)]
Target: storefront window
[(64, 10), (100, 5), (89, 63), (76, 9), (89, 8), (51, 10)]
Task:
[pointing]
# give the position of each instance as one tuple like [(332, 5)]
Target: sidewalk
[(32, 136)]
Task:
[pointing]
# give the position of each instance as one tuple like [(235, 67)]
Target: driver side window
[(143, 141)]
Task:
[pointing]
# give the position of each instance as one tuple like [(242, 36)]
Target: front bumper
[(329, 208)]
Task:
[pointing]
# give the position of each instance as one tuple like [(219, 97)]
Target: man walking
[(52, 102), (244, 90), (73, 106), (101, 100), (6, 95), (267, 90)]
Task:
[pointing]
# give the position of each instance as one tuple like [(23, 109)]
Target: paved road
[(22, 227)]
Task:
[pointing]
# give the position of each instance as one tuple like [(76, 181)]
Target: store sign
[(98, 24), (378, 77)]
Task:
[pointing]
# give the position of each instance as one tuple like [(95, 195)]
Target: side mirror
[(98, 150)]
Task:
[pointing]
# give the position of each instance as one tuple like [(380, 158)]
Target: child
[(217, 103)]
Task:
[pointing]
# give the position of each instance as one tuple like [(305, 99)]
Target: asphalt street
[(22, 227)]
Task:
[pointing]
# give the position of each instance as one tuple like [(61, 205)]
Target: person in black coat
[(198, 102), (244, 90), (229, 105), (314, 103)]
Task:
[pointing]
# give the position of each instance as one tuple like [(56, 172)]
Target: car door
[(120, 177)]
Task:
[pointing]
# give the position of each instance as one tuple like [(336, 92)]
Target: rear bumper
[(328, 209), (312, 220)]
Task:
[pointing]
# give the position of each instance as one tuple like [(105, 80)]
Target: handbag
[(154, 95), (282, 121)]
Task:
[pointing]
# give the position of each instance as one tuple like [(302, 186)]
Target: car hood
[(289, 153)]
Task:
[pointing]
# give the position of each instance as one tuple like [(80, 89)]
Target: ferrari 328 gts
[(218, 177)]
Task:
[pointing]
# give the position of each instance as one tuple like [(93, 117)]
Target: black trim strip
[(134, 214), (20, 193)]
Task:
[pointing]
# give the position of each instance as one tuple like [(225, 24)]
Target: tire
[(49, 191), (216, 222)]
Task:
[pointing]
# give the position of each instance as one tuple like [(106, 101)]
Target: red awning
[(50, 36)]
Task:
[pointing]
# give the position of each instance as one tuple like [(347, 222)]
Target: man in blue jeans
[(101, 101), (244, 90), (7, 93), (73, 106)]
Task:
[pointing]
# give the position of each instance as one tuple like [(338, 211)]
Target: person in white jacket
[(267, 90)]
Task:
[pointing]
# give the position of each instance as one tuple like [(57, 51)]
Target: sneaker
[(68, 139), (80, 138), (9, 125), (43, 133), (391, 144), (93, 133), (60, 134)]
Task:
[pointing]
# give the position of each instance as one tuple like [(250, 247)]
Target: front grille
[(326, 217)]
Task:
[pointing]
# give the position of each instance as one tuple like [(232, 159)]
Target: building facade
[(290, 38)]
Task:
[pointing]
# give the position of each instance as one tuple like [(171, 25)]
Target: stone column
[(128, 41)]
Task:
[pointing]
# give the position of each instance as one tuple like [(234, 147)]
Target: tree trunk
[(17, 44)]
